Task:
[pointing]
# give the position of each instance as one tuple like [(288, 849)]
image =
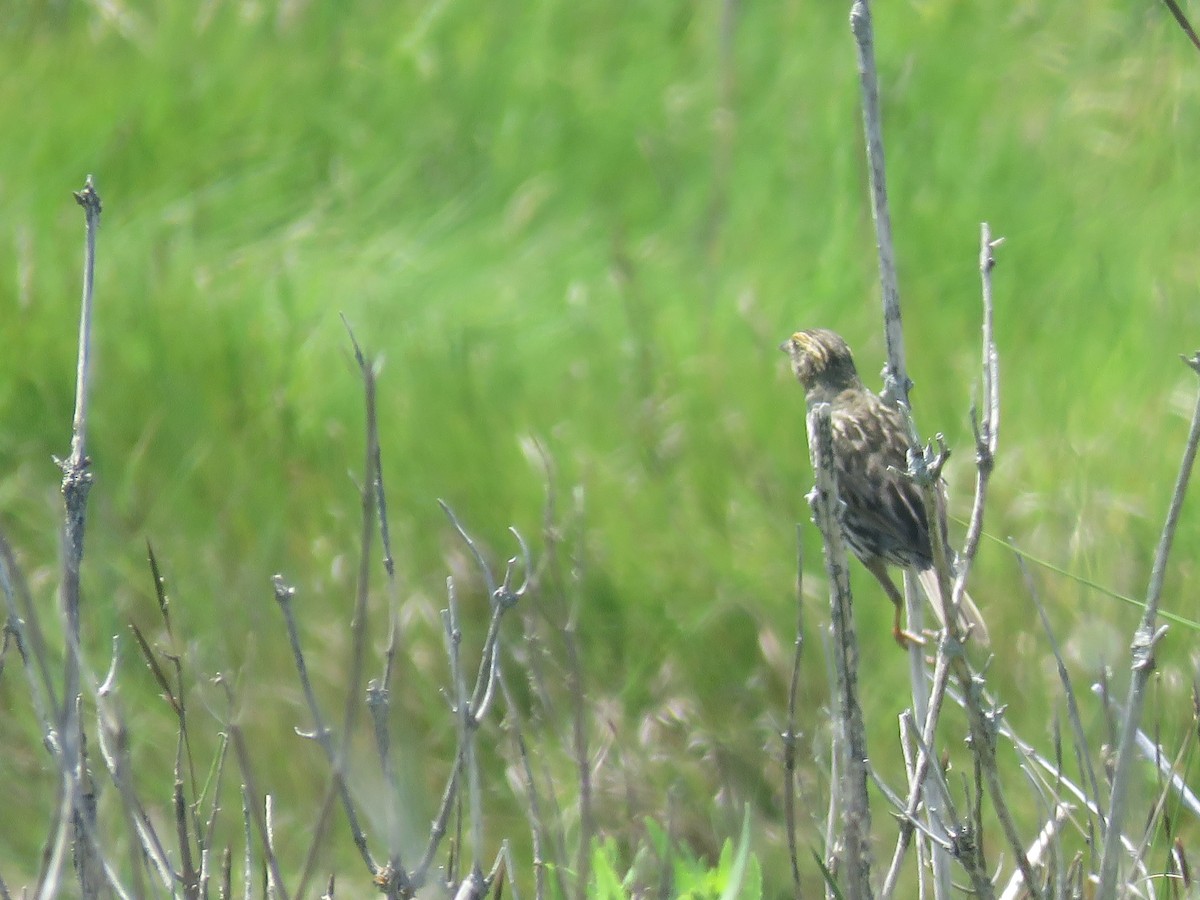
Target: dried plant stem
[(896, 384), (987, 430), (76, 483), (790, 736), (1145, 640), (1046, 838), (466, 729), (284, 595), (941, 676), (253, 811), (856, 811)]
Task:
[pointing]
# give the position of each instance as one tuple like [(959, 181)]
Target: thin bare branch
[(896, 383), (254, 811), (1145, 640), (790, 736), (856, 810), (284, 594)]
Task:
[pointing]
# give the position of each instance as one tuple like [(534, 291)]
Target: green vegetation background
[(589, 224)]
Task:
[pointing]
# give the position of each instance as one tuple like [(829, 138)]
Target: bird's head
[(821, 360)]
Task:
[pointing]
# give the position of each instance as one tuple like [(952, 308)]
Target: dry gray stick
[(24, 623), (965, 842), (77, 479), (358, 627), (987, 431), (504, 597), (897, 803), (833, 846), (856, 810), (1045, 839), (284, 594), (1145, 640), (790, 736), (76, 483), (247, 841), (269, 819), (941, 677), (1047, 778), (983, 727), (467, 724), (1171, 772), (437, 830), (210, 827), (896, 383), (250, 794), (113, 739), (911, 753), (925, 469)]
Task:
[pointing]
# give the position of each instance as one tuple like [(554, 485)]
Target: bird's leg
[(878, 568)]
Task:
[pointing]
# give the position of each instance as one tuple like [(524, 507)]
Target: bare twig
[(378, 704), (254, 811), (925, 468), (987, 430), (911, 752), (76, 483), (358, 628), (790, 736), (466, 728), (897, 802), (941, 676), (23, 622), (437, 829), (269, 844), (856, 811), (217, 778), (1145, 640), (284, 594), (837, 742), (1045, 839), (470, 710), (247, 838), (896, 383), (1047, 776)]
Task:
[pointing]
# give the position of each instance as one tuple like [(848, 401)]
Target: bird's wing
[(883, 505)]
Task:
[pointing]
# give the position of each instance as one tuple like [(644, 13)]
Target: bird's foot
[(906, 638)]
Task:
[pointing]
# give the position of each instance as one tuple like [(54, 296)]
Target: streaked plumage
[(883, 515)]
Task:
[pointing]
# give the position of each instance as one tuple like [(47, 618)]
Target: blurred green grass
[(525, 212)]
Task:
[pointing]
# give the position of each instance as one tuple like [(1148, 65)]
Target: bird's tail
[(969, 614)]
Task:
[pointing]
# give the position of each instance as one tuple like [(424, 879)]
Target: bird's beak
[(784, 346)]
